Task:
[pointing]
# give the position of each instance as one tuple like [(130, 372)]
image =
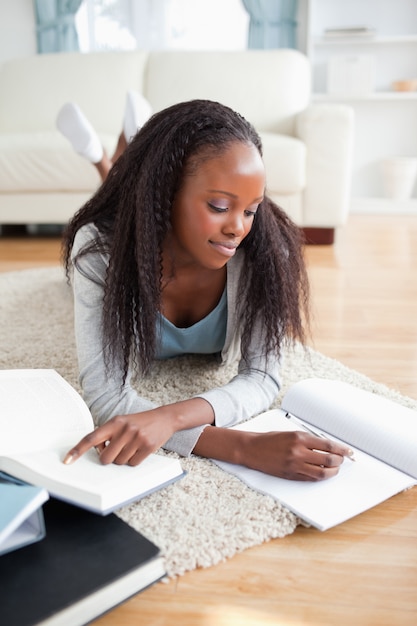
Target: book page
[(362, 419), (357, 487), (39, 409)]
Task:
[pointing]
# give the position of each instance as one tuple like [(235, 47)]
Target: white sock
[(137, 112), (73, 124)]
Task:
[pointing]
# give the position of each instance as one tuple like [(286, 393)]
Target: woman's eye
[(223, 209), (251, 212), (215, 207)]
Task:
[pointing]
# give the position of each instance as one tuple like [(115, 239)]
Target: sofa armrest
[(327, 130)]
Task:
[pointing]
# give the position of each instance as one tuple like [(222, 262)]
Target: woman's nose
[(234, 224)]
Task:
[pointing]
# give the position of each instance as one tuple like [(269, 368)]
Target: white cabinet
[(386, 120)]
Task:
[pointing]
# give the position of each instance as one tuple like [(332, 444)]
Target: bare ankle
[(104, 166), (120, 148)]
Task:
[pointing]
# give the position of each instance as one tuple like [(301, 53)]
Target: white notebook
[(382, 434)]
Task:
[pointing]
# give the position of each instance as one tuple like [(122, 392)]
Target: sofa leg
[(318, 236)]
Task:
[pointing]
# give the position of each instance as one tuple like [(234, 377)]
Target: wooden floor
[(363, 572)]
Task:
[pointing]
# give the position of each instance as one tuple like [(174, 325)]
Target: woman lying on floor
[(180, 251)]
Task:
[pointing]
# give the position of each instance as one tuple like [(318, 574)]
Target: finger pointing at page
[(96, 439), (126, 439)]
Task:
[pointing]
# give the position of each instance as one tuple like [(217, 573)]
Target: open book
[(382, 434), (41, 418)]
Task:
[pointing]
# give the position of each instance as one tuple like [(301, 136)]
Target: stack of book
[(86, 565), (65, 557)]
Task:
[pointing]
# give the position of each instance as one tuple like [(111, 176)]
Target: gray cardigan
[(250, 392)]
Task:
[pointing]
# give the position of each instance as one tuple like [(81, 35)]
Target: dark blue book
[(86, 565)]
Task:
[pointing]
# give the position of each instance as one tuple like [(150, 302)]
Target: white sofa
[(307, 147)]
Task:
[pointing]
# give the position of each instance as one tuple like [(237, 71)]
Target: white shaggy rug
[(207, 516)]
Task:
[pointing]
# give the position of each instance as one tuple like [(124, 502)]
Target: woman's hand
[(295, 455), (126, 439)]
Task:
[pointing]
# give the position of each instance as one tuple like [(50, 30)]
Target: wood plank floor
[(363, 572), (365, 299)]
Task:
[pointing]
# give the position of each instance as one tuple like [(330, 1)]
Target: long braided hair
[(132, 213)]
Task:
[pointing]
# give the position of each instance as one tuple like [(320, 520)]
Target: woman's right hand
[(294, 455)]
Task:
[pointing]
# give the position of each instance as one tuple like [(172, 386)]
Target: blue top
[(205, 337)]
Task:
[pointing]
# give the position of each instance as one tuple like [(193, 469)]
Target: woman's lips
[(225, 248)]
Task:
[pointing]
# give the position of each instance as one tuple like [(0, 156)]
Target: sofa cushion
[(45, 161), (33, 89), (285, 163), (268, 87)]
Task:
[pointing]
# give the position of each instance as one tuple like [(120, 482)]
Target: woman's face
[(215, 207)]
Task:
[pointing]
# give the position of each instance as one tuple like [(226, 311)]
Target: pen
[(292, 417)]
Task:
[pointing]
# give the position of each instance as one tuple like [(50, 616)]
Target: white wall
[(17, 29)]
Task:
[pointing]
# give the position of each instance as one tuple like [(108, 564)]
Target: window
[(162, 24)]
